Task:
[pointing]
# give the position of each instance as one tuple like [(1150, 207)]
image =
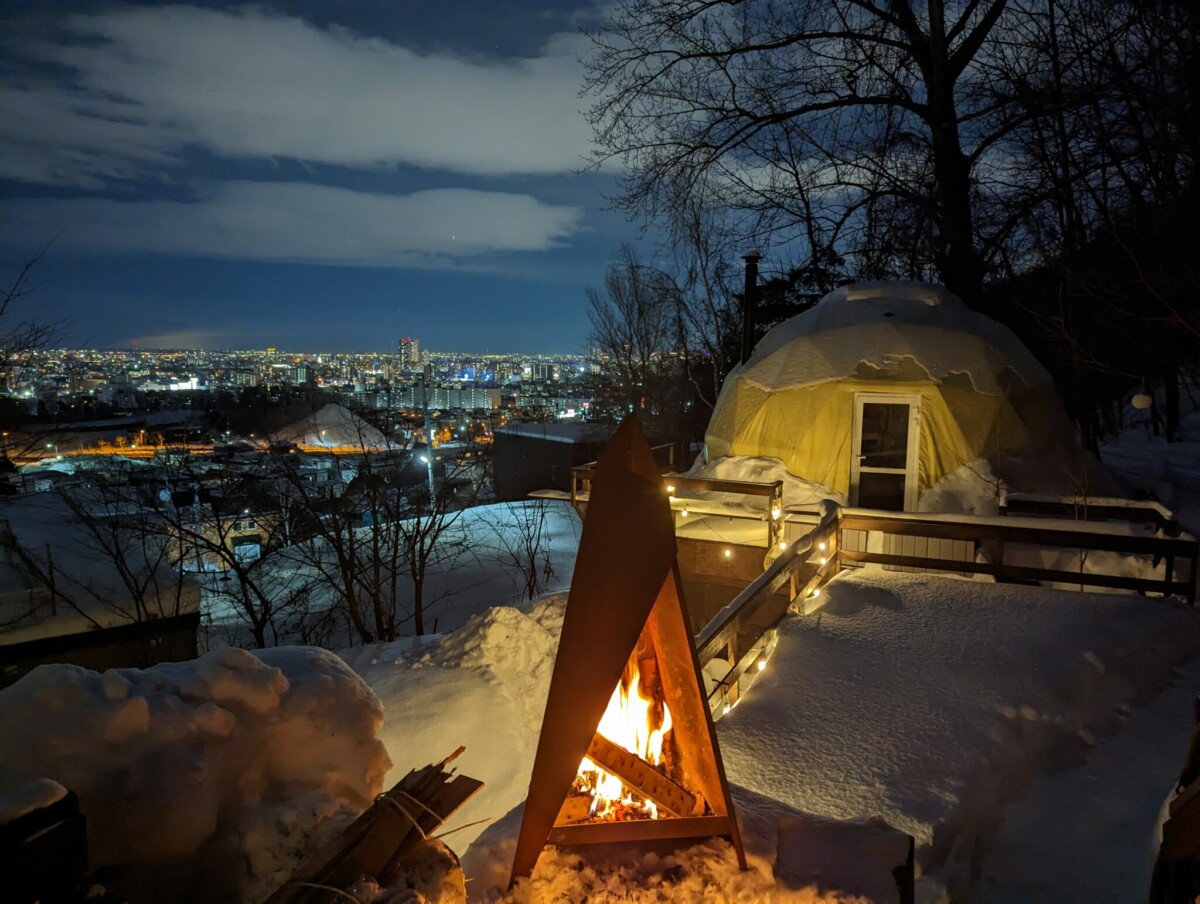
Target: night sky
[(306, 175)]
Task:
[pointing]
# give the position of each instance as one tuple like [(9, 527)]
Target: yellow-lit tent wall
[(982, 394)]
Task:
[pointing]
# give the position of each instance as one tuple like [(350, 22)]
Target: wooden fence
[(741, 634), (1175, 553)]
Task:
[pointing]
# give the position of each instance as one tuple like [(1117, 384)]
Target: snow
[(927, 702), (797, 492), (930, 702), (1103, 813), (975, 716), (333, 426), (24, 799), (224, 771), (972, 489), (1145, 464), (457, 587), (891, 326)]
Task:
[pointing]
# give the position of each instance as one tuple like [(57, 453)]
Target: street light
[(54, 446)]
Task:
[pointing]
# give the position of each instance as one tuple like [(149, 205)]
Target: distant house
[(98, 596), (530, 457)]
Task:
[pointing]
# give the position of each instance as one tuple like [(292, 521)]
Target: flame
[(632, 721)]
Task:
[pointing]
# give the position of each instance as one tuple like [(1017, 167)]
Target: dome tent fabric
[(977, 391)]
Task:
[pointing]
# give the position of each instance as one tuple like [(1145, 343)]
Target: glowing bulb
[(726, 710), (823, 560), (775, 513), (728, 553), (783, 544), (684, 513), (821, 546), (815, 594), (670, 489), (762, 664)]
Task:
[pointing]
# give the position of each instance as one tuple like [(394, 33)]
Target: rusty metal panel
[(625, 571)]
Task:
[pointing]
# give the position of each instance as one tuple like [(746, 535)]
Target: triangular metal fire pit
[(625, 608)]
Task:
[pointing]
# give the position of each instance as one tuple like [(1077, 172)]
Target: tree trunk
[(958, 259)]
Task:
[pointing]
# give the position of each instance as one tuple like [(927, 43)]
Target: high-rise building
[(410, 353)]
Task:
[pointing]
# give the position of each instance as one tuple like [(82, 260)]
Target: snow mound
[(333, 425), (483, 687), (971, 490), (515, 648), (797, 492), (230, 758)]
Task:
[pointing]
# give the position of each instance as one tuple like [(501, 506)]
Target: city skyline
[(313, 177)]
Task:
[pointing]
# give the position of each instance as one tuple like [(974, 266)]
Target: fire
[(637, 722)]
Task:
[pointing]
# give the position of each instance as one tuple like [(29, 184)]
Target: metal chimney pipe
[(749, 300)]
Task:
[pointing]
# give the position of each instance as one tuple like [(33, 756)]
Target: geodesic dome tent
[(881, 389)]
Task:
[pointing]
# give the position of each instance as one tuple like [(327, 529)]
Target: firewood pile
[(390, 844)]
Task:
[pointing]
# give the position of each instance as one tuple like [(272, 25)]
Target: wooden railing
[(583, 475), (1092, 509), (1000, 532), (742, 632), (676, 486)]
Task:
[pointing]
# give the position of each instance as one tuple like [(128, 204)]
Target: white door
[(883, 461)]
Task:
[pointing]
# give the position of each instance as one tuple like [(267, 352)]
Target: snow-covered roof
[(333, 425), (890, 326)]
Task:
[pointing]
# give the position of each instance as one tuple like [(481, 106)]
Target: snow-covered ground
[(1145, 463), (203, 780), (1021, 735)]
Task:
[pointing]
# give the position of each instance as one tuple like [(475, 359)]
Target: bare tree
[(634, 327), (525, 545), (119, 568), (778, 108), (390, 527)]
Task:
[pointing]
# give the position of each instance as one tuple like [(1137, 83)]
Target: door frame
[(910, 471)]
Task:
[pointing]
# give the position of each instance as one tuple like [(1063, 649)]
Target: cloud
[(297, 222), (146, 84)]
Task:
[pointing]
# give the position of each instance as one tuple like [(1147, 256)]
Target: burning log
[(636, 773)]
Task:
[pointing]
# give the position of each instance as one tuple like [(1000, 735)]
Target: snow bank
[(930, 702), (24, 799), (484, 687), (797, 492), (1145, 464), (221, 772), (971, 490)]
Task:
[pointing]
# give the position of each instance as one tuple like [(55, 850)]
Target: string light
[(671, 489), (684, 513), (823, 560), (762, 663), (728, 553), (775, 513), (783, 544), (821, 546), (726, 710)]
